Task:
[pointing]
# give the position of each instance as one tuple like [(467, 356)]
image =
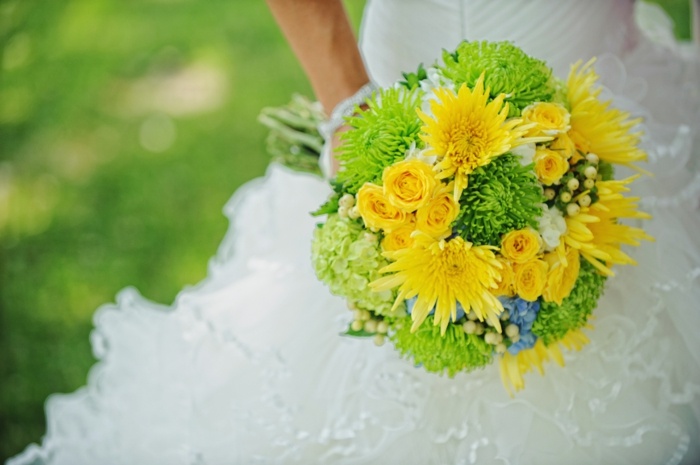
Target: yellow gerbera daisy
[(597, 127), (442, 273), (597, 235), (513, 367), (467, 131)]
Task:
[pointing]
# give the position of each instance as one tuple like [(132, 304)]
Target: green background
[(109, 177)]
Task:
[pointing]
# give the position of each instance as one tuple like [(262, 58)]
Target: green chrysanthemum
[(501, 196), (379, 137), (554, 321), (347, 260), (606, 170), (508, 70), (450, 353)]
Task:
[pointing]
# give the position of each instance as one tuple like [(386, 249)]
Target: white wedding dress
[(248, 367)]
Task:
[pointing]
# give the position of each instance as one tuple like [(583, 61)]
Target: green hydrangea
[(347, 260), (451, 353), (501, 196), (507, 70), (554, 321), (379, 137)]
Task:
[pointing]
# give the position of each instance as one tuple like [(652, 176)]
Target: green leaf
[(360, 333), (331, 206)]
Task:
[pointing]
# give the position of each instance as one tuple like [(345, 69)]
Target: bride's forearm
[(322, 39)]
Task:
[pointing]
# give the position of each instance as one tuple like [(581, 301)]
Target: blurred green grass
[(109, 177)]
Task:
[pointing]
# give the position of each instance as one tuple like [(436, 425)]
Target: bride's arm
[(320, 35)]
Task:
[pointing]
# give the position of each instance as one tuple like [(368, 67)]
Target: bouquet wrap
[(476, 216)]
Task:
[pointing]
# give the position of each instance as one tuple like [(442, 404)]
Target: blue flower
[(522, 313), (526, 341)]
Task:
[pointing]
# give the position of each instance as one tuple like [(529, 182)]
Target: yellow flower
[(530, 279), (409, 184), (550, 166), (522, 245), (564, 146), (562, 275), (437, 215), (549, 119), (596, 126), (440, 274), (596, 233), (513, 367), (376, 210), (399, 238), (579, 141), (468, 131), (506, 286)]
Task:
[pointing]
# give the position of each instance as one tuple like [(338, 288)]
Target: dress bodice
[(558, 31)]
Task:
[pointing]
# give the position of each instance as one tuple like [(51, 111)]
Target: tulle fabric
[(249, 368)]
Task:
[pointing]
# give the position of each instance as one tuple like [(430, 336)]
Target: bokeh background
[(125, 125)]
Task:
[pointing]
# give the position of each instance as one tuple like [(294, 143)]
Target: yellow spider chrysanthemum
[(513, 367), (442, 273), (467, 131), (598, 128), (597, 235)]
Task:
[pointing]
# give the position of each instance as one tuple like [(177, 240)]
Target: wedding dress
[(248, 367)]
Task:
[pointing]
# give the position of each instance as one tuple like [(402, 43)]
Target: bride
[(248, 367)]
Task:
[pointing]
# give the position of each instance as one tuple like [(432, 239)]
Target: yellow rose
[(506, 284), (530, 279), (564, 145), (561, 278), (438, 214), (521, 246), (550, 166), (376, 210), (408, 184), (399, 238), (550, 119)]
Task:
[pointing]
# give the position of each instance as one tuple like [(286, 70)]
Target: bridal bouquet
[(476, 215)]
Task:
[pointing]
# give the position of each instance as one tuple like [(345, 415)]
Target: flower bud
[(590, 172), (469, 327), (371, 326), (371, 238), (592, 158), (572, 209), (585, 201), (512, 330), (347, 201), (572, 184)]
